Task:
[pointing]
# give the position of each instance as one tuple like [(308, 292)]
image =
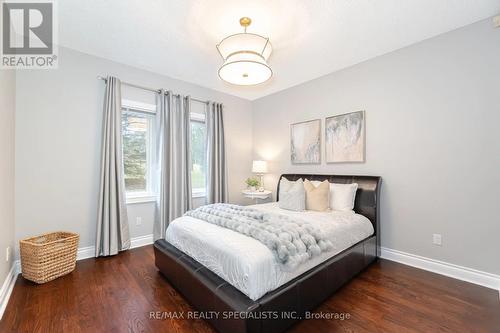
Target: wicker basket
[(49, 256)]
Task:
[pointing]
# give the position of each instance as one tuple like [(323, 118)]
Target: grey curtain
[(173, 159), (112, 223), (217, 187)]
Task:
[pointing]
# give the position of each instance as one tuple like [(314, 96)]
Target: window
[(138, 149), (137, 134), (198, 154)]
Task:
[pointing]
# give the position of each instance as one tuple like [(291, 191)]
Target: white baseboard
[(89, 251), (7, 287), (85, 252), (82, 253), (440, 267), (141, 241)]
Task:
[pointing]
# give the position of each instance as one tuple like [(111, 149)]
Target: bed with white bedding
[(222, 271), (249, 265)]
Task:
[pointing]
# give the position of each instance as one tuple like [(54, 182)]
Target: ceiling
[(310, 38)]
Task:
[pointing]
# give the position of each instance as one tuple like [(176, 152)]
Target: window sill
[(199, 193), (140, 199)]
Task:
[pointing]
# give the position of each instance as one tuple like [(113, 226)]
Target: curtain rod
[(151, 89)]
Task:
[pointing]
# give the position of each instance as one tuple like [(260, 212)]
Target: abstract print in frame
[(345, 138), (305, 142)]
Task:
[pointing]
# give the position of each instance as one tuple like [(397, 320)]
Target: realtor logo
[(28, 35)]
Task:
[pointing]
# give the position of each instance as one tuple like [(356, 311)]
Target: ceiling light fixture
[(245, 57)]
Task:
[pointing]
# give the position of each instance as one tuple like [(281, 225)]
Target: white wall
[(58, 135), (433, 134), (7, 109)]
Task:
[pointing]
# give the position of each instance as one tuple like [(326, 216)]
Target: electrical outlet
[(7, 254), (138, 220), (437, 239)]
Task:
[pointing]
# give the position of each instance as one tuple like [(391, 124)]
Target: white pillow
[(292, 195), (342, 196)]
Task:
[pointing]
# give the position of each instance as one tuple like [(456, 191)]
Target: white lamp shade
[(259, 167), (245, 43), (245, 59), (245, 72)]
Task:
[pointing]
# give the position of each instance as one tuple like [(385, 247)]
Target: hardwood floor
[(117, 294)]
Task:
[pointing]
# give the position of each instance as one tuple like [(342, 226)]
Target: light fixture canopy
[(245, 57)]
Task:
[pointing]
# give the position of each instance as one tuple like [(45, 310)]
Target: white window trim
[(200, 117), (138, 106), (140, 197), (199, 192)]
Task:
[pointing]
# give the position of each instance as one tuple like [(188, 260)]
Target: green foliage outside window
[(198, 154), (135, 155)]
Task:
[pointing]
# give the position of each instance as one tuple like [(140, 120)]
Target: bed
[(217, 269)]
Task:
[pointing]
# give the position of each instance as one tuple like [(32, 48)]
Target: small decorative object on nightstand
[(260, 168), (252, 184), (256, 195)]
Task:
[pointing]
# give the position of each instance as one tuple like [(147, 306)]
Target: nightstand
[(257, 195)]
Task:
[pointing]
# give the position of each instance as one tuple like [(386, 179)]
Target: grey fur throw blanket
[(292, 241)]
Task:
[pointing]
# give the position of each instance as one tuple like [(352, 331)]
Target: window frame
[(150, 110), (198, 118)]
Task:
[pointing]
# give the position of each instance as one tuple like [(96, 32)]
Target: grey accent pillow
[(292, 195)]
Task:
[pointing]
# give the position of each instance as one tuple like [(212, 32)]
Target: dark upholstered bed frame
[(278, 309)]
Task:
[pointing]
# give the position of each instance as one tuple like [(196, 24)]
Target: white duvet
[(249, 265)]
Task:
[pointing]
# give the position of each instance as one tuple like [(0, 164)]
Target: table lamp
[(260, 168)]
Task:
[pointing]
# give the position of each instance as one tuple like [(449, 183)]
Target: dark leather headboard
[(367, 197)]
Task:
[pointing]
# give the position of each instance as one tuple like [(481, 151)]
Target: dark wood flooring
[(117, 294)]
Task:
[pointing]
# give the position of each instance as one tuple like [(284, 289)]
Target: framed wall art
[(305, 142), (345, 138)]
